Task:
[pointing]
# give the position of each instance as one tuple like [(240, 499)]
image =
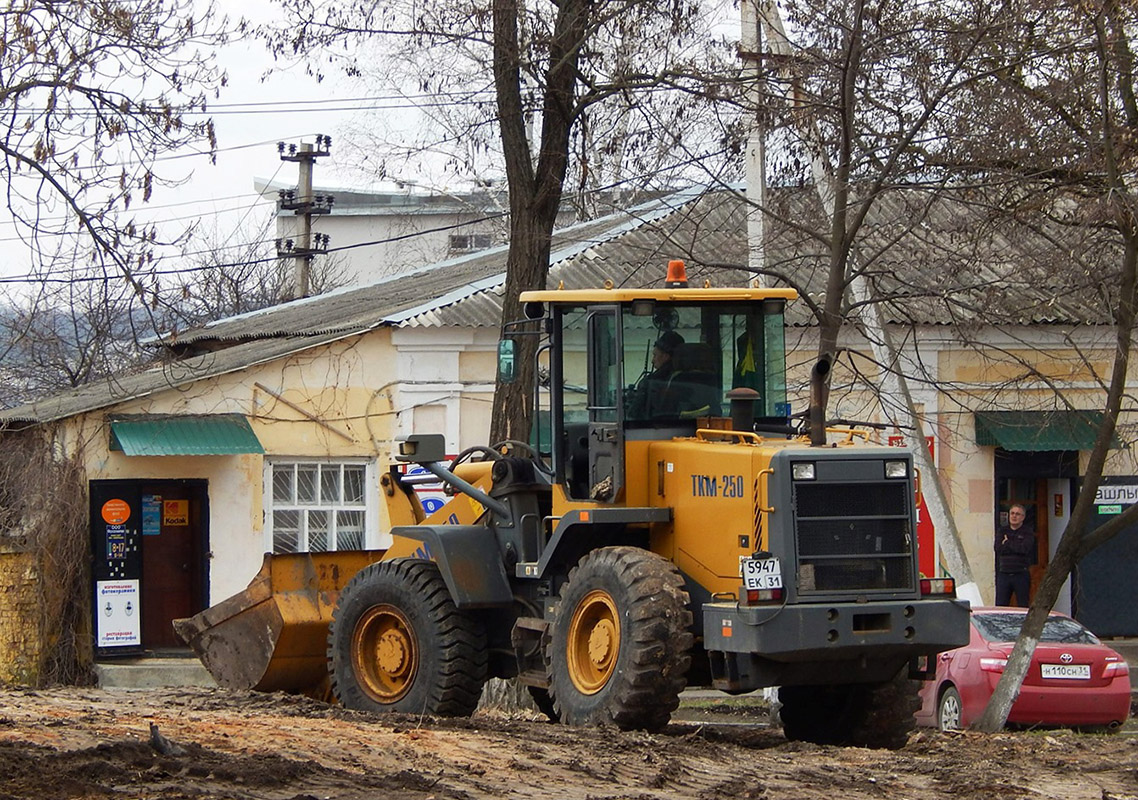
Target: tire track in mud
[(87, 743)]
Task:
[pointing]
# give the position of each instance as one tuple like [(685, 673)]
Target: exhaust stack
[(818, 377)]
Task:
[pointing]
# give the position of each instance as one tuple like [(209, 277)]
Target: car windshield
[(1005, 628)]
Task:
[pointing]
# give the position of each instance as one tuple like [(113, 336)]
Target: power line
[(292, 104), (244, 207), (47, 278), (291, 107), (249, 262)]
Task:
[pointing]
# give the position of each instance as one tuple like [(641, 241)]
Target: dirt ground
[(212, 743)]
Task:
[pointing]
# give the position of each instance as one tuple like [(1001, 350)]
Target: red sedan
[(1074, 679)]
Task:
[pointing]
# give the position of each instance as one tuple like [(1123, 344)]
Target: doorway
[(150, 542), (1043, 483)]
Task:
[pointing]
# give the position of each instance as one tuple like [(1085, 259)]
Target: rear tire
[(854, 715), (620, 643), (949, 710), (397, 643)]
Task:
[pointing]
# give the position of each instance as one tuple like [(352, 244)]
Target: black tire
[(855, 715), (621, 641), (814, 713), (949, 710), (397, 643), (890, 713)]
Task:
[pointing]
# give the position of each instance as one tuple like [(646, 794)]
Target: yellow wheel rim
[(594, 642), (384, 655)]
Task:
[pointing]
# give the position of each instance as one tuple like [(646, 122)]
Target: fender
[(578, 529), (469, 560)]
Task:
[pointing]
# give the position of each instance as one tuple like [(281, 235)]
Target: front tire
[(397, 643), (620, 642)]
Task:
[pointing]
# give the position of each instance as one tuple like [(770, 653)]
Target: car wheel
[(949, 712)]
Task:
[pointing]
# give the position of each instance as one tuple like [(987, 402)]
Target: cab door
[(605, 398)]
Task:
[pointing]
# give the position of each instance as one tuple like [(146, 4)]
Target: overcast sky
[(251, 115)]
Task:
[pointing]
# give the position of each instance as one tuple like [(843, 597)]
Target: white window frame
[(271, 505)]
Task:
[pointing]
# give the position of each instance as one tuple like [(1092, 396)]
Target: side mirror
[(506, 363), (421, 448)]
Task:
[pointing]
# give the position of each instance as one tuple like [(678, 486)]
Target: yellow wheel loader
[(669, 525)]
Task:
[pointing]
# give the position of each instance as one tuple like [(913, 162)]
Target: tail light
[(1115, 669), (756, 596), (993, 664), (938, 586)]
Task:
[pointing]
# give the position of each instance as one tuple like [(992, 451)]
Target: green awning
[(1038, 430), (197, 435)]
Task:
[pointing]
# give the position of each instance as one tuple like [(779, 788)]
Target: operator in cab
[(648, 398)]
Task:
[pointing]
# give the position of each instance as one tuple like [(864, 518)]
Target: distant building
[(376, 234)]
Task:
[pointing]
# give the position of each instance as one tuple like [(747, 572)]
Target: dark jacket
[(1015, 550)]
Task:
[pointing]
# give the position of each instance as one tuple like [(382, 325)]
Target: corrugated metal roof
[(261, 336), (393, 299), (939, 262)]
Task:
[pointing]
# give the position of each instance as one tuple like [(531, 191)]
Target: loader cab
[(652, 364)]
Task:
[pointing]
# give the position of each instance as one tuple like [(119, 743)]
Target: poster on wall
[(176, 512), (151, 514), (116, 613)]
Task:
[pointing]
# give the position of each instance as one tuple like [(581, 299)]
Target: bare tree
[(92, 95), (63, 334), (1027, 115), (540, 76), (83, 325), (225, 274)]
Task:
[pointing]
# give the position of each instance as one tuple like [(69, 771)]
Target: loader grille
[(854, 537)]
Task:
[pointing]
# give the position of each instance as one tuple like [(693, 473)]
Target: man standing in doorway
[(1015, 552)]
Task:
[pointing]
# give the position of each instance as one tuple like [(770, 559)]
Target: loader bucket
[(273, 635)]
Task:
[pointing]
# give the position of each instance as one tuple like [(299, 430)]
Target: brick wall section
[(19, 642)]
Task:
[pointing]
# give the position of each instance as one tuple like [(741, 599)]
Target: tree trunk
[(535, 190)]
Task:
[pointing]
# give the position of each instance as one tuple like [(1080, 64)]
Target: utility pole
[(304, 204), (750, 50)]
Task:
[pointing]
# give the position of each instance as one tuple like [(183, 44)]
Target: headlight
[(802, 470), (896, 469)]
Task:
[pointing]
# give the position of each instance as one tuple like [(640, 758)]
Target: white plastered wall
[(446, 383)]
